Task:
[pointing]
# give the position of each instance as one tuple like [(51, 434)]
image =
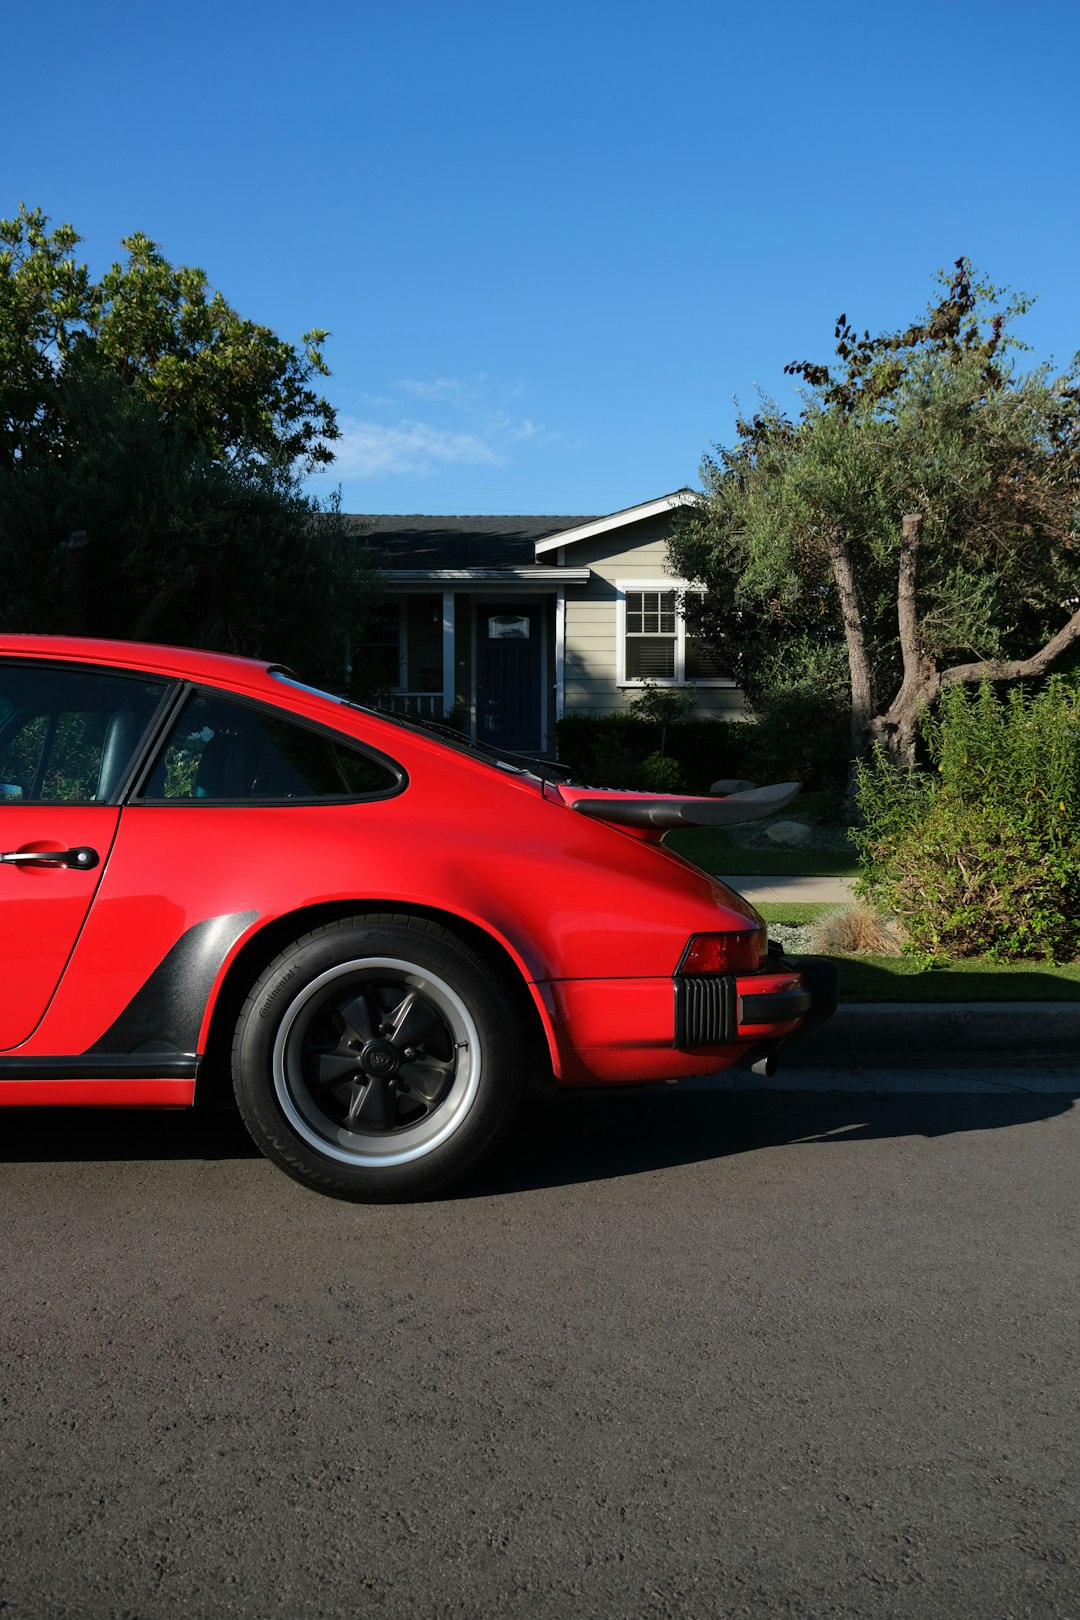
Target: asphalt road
[(682, 1354)]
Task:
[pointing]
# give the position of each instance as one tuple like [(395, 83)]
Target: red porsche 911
[(219, 882)]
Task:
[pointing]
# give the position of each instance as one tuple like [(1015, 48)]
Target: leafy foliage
[(664, 706), (981, 854), (150, 447), (610, 750), (916, 525), (800, 736), (245, 393), (660, 774)]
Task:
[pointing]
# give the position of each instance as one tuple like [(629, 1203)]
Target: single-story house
[(512, 622)]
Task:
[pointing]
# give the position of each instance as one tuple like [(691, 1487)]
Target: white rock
[(732, 784), (789, 834)]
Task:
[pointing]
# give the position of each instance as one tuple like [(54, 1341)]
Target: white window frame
[(622, 586)]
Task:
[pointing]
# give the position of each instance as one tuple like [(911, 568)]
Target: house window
[(652, 635), (653, 641)]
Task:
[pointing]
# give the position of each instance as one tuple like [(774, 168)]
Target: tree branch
[(995, 669)]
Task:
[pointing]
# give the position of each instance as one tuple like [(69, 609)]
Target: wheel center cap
[(378, 1059)]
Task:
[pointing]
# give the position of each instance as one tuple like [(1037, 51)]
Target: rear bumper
[(630, 1031)]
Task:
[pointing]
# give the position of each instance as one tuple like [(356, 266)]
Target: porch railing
[(421, 705)]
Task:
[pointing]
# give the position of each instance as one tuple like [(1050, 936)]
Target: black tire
[(379, 1058)]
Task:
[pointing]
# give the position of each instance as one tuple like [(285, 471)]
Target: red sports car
[(221, 882)]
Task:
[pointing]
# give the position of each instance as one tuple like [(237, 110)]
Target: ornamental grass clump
[(979, 855), (856, 931)]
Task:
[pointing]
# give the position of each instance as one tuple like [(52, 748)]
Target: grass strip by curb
[(898, 978), (796, 912)]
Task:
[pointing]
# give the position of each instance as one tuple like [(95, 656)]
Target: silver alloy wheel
[(376, 1062)]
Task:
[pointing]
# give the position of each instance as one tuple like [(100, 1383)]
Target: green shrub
[(980, 855), (802, 735), (665, 706), (661, 774), (798, 741), (608, 750), (612, 762)]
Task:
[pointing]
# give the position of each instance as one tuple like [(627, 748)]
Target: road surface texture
[(681, 1354)]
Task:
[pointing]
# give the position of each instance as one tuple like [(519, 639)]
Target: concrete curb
[(959, 1049), (882, 1033)]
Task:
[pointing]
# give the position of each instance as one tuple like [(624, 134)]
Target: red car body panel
[(45, 908), (594, 919)]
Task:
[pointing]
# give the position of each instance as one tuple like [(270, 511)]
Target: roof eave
[(616, 520), (530, 574)]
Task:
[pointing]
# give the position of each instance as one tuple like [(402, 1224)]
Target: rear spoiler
[(667, 810)]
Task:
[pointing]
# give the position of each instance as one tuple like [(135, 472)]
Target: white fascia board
[(617, 520), (529, 575)]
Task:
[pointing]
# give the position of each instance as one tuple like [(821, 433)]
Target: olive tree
[(915, 525)]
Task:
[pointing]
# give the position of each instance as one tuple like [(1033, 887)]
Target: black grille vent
[(705, 1011)]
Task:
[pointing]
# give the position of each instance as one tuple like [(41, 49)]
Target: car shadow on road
[(595, 1136), (88, 1135), (567, 1139)]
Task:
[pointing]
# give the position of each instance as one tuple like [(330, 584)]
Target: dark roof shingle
[(417, 541)]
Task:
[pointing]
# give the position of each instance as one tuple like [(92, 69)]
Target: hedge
[(609, 750), (615, 750)]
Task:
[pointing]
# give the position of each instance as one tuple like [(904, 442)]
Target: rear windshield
[(518, 764)]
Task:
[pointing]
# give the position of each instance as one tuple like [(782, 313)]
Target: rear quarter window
[(222, 750)]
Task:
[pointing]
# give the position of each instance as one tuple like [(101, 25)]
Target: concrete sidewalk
[(829, 891)]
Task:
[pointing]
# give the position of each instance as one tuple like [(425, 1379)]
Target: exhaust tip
[(760, 1060)]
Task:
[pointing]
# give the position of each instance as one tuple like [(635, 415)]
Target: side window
[(221, 750), (68, 735)]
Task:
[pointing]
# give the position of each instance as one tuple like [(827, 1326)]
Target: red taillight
[(724, 953)]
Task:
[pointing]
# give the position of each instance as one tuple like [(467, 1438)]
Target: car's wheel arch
[(264, 942)]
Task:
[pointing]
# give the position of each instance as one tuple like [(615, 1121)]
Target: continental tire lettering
[(268, 1005)]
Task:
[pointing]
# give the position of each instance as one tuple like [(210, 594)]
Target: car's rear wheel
[(379, 1058)]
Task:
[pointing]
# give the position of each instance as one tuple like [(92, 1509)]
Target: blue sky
[(554, 242)]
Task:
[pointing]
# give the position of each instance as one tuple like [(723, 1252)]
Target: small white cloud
[(468, 424), (451, 390), (371, 450)]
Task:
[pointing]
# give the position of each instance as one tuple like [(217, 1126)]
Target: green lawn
[(712, 849)]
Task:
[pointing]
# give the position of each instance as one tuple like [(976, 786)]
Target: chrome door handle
[(82, 858)]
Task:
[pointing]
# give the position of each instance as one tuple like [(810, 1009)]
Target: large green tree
[(914, 526), (151, 447), (160, 328)]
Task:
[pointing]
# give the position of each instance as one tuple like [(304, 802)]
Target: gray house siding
[(637, 552)]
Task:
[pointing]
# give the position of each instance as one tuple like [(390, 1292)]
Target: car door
[(69, 735)]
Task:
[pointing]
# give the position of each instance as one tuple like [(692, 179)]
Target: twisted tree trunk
[(922, 681), (862, 685)]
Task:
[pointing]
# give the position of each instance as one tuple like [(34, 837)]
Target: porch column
[(448, 669), (560, 651)]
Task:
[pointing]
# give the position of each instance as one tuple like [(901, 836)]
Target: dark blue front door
[(508, 660)]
